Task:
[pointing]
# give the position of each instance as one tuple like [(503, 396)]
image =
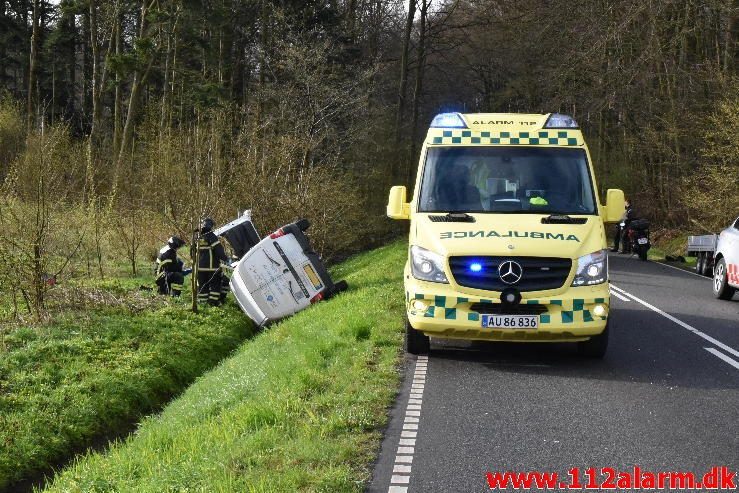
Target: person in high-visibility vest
[(211, 255), (170, 275)]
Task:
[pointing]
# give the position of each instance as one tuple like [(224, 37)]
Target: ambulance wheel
[(721, 288), (596, 346), (416, 342)]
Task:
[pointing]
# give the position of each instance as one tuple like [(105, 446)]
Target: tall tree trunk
[(117, 102), (419, 84), (95, 69), (402, 90), (139, 80), (351, 19), (32, 68)]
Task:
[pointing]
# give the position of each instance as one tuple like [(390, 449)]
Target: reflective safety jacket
[(168, 261), (210, 253)]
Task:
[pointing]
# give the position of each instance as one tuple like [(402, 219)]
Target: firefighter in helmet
[(211, 255), (170, 275)]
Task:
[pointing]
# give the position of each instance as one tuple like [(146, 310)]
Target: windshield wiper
[(562, 219), (453, 217)]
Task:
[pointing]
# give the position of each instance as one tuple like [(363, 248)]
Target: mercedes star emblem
[(510, 272)]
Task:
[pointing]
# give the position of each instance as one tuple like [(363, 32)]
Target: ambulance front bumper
[(440, 311)]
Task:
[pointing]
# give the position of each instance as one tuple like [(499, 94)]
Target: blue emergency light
[(476, 267), (448, 120), (557, 120)]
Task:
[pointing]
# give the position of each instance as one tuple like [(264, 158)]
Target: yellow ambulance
[(507, 239)]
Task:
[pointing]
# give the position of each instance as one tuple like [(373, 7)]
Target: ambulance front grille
[(501, 309), (539, 273)]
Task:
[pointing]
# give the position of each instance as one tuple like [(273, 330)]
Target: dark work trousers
[(617, 236), (209, 287), (171, 283)]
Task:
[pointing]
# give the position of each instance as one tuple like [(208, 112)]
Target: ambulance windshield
[(546, 180)]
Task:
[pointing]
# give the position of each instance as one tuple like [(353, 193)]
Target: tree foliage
[(180, 108)]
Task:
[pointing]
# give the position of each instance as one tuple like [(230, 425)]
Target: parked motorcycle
[(637, 238)]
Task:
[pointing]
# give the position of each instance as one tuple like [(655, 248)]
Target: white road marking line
[(681, 270), (407, 442), (398, 479), (722, 356), (619, 296), (682, 324)]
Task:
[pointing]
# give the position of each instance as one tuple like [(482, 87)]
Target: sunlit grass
[(96, 369), (298, 408)]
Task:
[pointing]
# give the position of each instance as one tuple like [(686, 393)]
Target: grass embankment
[(297, 408), (671, 243), (97, 369)]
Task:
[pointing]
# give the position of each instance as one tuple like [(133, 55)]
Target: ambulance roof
[(504, 129)]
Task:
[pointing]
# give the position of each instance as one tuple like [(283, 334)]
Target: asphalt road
[(665, 397)]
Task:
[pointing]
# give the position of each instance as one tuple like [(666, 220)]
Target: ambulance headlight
[(427, 266), (592, 269), (556, 120), (448, 120)]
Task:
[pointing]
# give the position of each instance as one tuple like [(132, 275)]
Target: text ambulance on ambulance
[(507, 237)]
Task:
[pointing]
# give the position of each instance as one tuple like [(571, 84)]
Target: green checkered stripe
[(560, 311), (469, 137)]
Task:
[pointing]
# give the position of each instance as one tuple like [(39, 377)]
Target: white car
[(726, 263)]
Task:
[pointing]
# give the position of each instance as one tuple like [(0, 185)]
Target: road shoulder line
[(682, 324), (403, 465), (681, 270), (723, 357)]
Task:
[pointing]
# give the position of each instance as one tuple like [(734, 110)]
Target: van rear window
[(546, 180)]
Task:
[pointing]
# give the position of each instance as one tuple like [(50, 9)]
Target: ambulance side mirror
[(397, 207), (615, 204)]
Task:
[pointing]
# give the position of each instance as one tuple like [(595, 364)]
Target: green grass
[(297, 408), (673, 243), (99, 368)]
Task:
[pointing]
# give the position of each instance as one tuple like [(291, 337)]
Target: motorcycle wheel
[(643, 250)]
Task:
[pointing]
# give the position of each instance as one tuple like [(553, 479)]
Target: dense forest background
[(124, 121)]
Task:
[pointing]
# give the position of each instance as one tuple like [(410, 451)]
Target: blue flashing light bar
[(448, 120), (557, 120)]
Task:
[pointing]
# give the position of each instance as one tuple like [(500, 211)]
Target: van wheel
[(416, 342), (721, 288), (596, 346)]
